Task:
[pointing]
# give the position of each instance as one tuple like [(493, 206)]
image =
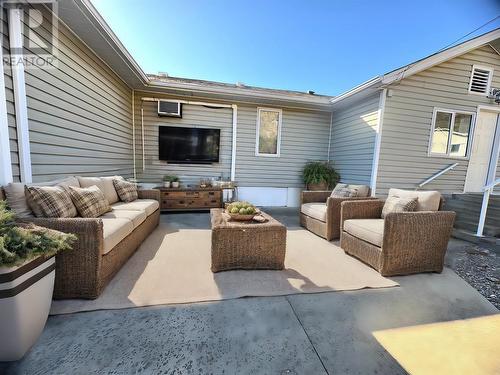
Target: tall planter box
[(25, 298)]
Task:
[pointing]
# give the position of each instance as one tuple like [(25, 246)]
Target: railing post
[(484, 209)]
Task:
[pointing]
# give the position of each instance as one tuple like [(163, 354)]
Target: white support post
[(233, 149), (5, 160), (484, 210), (19, 85), (378, 141)]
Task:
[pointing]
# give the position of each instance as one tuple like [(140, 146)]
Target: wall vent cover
[(169, 108), (480, 80)]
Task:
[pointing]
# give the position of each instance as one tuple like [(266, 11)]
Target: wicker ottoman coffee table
[(246, 245)]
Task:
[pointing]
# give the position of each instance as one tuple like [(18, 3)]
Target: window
[(268, 132), (451, 133), (480, 80)]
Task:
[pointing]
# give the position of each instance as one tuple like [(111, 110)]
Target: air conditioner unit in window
[(169, 108)]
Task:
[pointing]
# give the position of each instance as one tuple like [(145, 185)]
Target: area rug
[(172, 266)]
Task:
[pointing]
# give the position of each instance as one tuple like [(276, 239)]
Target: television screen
[(189, 145)]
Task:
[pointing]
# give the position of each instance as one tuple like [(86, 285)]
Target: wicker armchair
[(329, 228), (401, 243)]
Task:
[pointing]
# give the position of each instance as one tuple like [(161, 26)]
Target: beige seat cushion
[(115, 230), (16, 199), (426, 200), (369, 230), (105, 184), (314, 210), (147, 205), (136, 217)]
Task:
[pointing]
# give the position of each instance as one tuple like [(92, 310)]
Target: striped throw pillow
[(127, 191), (397, 204), (51, 201), (90, 201)]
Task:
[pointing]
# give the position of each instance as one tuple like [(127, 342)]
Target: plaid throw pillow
[(397, 204), (344, 193), (127, 191), (90, 202), (51, 201)]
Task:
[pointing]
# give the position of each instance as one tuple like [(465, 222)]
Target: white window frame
[(490, 78), (452, 122), (280, 119)]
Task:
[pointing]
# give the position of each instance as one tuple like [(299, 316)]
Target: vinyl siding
[(9, 94), (353, 140), (304, 137), (192, 116), (408, 119), (79, 114)]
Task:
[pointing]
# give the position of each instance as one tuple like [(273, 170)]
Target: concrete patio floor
[(327, 333)]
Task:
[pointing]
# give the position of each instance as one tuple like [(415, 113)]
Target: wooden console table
[(190, 198)]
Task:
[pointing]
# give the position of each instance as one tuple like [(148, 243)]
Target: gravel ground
[(479, 266)]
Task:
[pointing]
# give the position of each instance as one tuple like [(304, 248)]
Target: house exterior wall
[(192, 116), (304, 137), (353, 140), (404, 160), (9, 95), (79, 114)]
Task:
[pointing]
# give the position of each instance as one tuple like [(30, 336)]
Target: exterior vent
[(169, 108), (480, 80)]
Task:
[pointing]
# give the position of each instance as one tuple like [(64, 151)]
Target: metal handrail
[(487, 189), (436, 175)]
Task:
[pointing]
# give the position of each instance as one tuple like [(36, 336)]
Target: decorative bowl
[(240, 217)]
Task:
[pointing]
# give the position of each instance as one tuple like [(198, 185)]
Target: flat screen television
[(189, 145)]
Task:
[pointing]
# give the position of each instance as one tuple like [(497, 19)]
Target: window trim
[(280, 119), (433, 126), (490, 78)]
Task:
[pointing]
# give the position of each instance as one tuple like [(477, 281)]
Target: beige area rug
[(173, 266)]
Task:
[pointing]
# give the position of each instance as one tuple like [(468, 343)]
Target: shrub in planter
[(27, 269), (318, 175)]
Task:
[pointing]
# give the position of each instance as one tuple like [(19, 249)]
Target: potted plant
[(174, 181), (27, 270), (166, 181), (319, 175)]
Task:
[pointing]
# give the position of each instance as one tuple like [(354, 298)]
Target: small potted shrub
[(174, 181), (319, 175), (166, 181), (27, 271)]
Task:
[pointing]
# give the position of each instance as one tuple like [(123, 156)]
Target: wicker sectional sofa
[(104, 244)]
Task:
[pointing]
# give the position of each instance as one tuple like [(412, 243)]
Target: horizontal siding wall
[(408, 118), (79, 113), (9, 95), (304, 138), (353, 140), (194, 116)]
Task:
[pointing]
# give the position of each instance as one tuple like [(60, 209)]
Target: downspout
[(19, 86), (133, 133), (233, 148), (378, 141), (330, 136), (142, 135)]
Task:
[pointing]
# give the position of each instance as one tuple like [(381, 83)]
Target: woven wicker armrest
[(149, 194), (416, 238), (310, 196), (368, 208), (78, 269)]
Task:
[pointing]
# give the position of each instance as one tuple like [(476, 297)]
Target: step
[(489, 242)]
